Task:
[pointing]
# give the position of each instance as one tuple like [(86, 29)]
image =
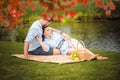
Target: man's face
[(47, 23)]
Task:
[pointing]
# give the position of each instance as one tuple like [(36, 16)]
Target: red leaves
[(64, 0), (54, 6), (59, 3), (73, 3), (11, 10), (79, 1), (60, 18), (11, 1), (108, 12), (112, 7), (72, 14), (67, 14), (3, 17), (33, 7), (0, 17), (106, 5), (29, 0), (85, 2), (54, 1), (13, 13), (99, 3), (26, 5)]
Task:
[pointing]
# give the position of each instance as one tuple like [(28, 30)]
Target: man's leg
[(39, 51)]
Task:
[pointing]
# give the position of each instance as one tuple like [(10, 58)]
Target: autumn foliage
[(12, 10)]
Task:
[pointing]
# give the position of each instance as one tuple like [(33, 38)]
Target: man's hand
[(25, 56)]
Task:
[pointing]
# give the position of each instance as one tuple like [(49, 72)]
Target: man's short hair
[(48, 18)]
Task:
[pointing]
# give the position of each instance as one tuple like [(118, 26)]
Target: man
[(32, 46)]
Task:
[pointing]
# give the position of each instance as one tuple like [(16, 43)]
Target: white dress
[(55, 40)]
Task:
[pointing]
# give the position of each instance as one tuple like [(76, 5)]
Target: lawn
[(12, 68)]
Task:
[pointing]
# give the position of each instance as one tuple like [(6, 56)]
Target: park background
[(99, 32)]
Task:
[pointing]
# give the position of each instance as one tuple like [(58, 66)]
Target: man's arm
[(26, 46), (44, 47)]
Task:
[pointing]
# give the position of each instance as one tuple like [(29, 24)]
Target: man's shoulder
[(37, 21), (36, 24)]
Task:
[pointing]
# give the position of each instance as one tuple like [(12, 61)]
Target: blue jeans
[(40, 51)]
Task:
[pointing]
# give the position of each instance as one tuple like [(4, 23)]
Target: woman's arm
[(69, 42), (60, 32), (66, 36), (44, 47)]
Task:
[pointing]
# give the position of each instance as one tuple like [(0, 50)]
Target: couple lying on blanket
[(66, 45)]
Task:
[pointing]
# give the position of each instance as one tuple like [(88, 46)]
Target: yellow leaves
[(75, 55)]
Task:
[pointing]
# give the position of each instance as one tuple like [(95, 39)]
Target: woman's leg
[(88, 55), (84, 54), (70, 51), (101, 58), (56, 51)]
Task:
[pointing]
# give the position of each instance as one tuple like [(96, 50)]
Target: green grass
[(12, 68)]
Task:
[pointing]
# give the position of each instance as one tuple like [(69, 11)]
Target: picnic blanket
[(61, 59)]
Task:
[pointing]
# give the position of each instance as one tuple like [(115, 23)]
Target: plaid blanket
[(61, 59)]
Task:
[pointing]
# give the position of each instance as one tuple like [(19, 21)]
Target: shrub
[(4, 33), (20, 33)]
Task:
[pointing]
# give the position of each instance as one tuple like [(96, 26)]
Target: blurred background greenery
[(89, 24)]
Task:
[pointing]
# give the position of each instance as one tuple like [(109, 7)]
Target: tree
[(12, 10)]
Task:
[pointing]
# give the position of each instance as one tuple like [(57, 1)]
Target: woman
[(67, 45)]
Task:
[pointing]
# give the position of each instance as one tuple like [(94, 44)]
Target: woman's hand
[(70, 45), (44, 47), (38, 38), (66, 36)]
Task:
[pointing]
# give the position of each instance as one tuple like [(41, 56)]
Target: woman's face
[(47, 31)]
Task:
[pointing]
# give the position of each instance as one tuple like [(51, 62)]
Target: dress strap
[(60, 44)]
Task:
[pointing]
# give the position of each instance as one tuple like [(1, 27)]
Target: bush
[(20, 33), (4, 33)]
